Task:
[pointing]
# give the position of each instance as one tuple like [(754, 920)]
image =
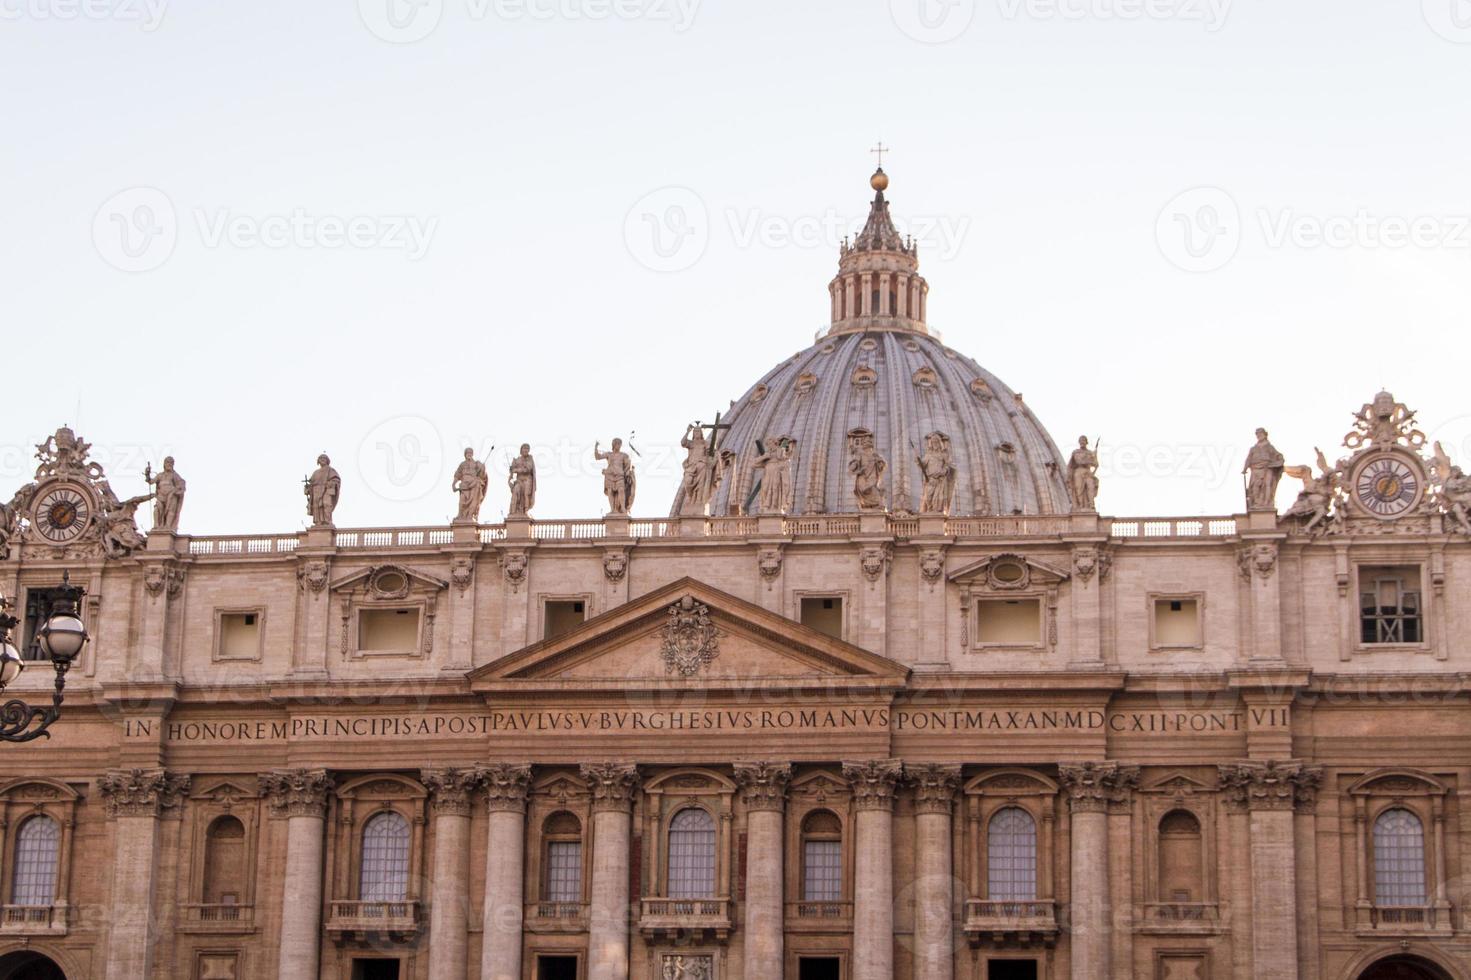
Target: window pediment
[(1397, 782), (1008, 572), (389, 583)]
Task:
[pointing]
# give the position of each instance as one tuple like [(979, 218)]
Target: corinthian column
[(135, 799), (300, 796), (613, 787), (450, 792), (1271, 792), (1091, 788), (934, 886), (505, 856), (764, 792), (873, 906)]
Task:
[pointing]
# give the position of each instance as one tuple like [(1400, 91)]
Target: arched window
[(822, 857), (1181, 867), (1011, 856), (692, 854), (562, 880), (37, 845), (385, 871), (224, 862), (1399, 859)]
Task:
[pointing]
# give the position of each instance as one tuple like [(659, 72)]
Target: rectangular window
[(563, 616), (1009, 622), (1176, 622), (386, 630), (1390, 611), (39, 603), (822, 871), (824, 614), (239, 636), (564, 871)]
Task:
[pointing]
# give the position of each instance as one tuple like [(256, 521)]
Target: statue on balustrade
[(470, 482), (1082, 477), (705, 467), (868, 468), (168, 495), (1319, 494), (619, 481), (323, 489), (938, 471), (779, 476), (522, 481), (1265, 465)]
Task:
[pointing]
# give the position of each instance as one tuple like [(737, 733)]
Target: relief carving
[(763, 784), (691, 640), (873, 782), (612, 784), (1092, 787), (297, 792), (451, 790), (1271, 785), (141, 792), (934, 786), (505, 786)]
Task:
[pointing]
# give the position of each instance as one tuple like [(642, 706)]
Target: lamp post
[(60, 638)]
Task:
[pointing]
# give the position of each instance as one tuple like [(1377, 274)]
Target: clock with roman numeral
[(62, 513), (1387, 485)]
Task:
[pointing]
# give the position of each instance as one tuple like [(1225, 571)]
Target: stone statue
[(703, 470), (118, 526), (470, 482), (523, 483), (1319, 493), (1265, 465), (323, 489), (779, 480), (168, 495), (938, 473), (619, 481), (1082, 477), (867, 467), (1455, 491)]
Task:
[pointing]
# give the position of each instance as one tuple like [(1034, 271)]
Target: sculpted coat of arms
[(691, 640)]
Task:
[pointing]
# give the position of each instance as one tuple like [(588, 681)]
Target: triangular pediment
[(689, 634)]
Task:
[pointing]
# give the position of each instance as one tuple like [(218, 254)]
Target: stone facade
[(859, 745)]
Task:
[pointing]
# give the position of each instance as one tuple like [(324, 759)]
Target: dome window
[(806, 381), (981, 390), (926, 378), (865, 376), (868, 343), (759, 392)]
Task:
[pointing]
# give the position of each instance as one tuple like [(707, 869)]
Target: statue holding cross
[(705, 465)]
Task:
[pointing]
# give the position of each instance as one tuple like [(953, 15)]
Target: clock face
[(1388, 486), (62, 514)]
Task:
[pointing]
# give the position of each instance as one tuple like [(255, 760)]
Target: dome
[(880, 381)]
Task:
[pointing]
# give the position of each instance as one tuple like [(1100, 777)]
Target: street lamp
[(60, 638)]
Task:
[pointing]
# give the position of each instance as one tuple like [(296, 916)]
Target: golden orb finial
[(879, 181)]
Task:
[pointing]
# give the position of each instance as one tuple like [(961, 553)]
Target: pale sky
[(246, 233)]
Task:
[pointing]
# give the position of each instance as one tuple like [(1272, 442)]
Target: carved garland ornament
[(157, 578), (462, 573), (141, 792), (312, 576), (874, 561), (513, 567), (691, 640), (615, 566)]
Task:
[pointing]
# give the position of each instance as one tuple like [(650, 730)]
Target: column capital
[(873, 782), (763, 784), (141, 792), (612, 784), (934, 786), (297, 792), (1092, 787), (506, 786), (451, 790), (1271, 785)]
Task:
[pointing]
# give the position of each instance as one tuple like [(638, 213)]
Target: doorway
[(375, 970), (29, 966), (556, 968), (1011, 970), (1404, 968), (819, 968)]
